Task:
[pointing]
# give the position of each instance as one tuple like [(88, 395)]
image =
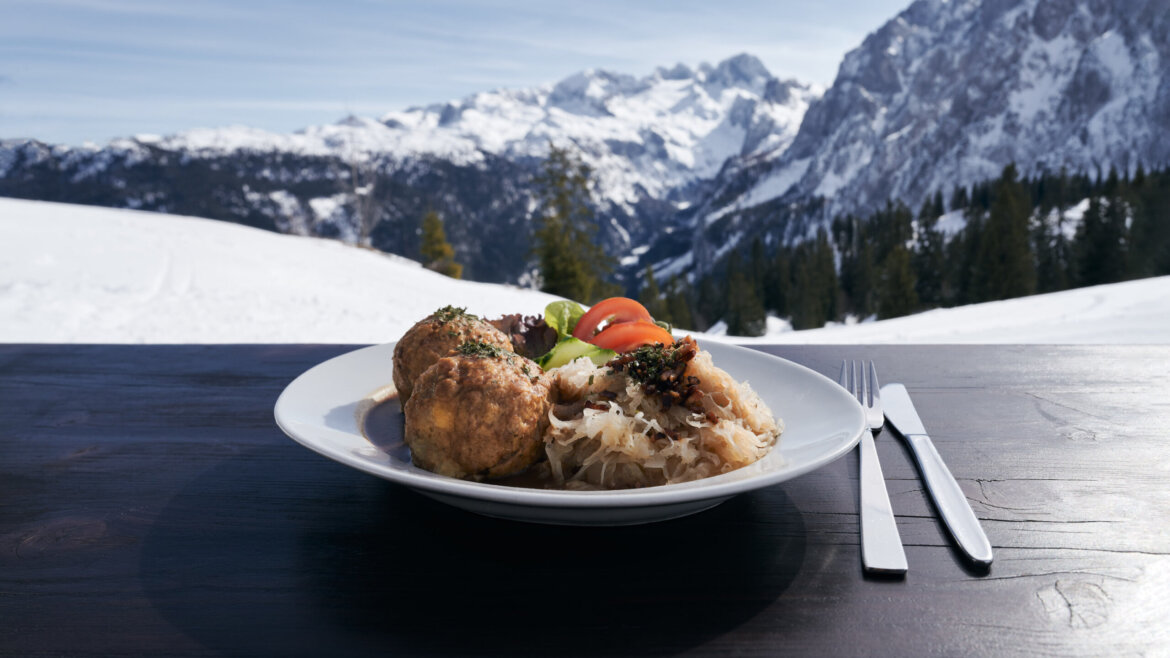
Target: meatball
[(432, 338), (480, 413)]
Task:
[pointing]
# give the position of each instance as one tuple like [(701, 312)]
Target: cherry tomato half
[(627, 336), (614, 309)]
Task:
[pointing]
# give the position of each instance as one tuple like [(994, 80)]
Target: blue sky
[(91, 70)]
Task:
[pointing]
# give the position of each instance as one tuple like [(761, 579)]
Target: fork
[(881, 546)]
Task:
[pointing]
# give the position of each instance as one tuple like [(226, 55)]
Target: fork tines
[(862, 382)]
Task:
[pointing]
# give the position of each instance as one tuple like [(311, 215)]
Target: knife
[(948, 497)]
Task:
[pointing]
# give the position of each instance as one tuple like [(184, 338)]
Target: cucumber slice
[(570, 350)]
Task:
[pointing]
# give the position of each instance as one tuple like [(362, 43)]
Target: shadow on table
[(272, 553)]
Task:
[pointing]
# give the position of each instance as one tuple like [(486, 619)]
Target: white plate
[(321, 409)]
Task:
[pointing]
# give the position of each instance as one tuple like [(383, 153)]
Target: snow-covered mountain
[(649, 141), (643, 137), (948, 93), (688, 163)]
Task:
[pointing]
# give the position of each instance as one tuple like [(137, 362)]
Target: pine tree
[(938, 209), (1055, 264), (1150, 233), (1112, 183), (846, 233), (1158, 225), (963, 251), (1004, 265), (678, 306), (808, 308), (745, 312), (1100, 242), (651, 297), (929, 259), (437, 253), (1053, 191), (896, 294), (865, 282), (981, 195), (1051, 249), (815, 285), (826, 271), (778, 282), (959, 200), (710, 305), (757, 270), (572, 264)]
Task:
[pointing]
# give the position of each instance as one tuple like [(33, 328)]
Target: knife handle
[(951, 501)]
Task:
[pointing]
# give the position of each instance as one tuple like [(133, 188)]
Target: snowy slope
[(83, 274), (1134, 312)]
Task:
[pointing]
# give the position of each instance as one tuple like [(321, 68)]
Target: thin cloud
[(146, 8), (120, 66)]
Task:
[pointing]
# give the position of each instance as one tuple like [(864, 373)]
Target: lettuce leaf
[(562, 317)]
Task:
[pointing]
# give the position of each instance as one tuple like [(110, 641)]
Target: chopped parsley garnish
[(480, 348), (450, 313), (646, 364)]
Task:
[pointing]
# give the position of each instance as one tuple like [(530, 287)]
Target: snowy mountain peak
[(679, 71), (587, 92), (742, 71), (643, 137)]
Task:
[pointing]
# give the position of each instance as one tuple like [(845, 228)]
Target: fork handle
[(881, 546)]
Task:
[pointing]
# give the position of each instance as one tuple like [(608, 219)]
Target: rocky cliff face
[(948, 93)]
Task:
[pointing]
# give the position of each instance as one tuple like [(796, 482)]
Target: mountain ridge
[(651, 143)]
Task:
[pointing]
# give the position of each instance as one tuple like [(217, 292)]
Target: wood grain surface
[(149, 505)]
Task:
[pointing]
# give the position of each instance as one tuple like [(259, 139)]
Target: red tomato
[(614, 309), (627, 336)]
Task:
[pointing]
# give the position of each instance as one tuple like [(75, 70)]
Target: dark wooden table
[(149, 505)]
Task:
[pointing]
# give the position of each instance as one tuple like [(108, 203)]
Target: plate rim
[(696, 490)]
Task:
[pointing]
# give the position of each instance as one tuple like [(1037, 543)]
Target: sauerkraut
[(617, 428)]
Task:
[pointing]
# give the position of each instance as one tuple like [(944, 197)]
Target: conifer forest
[(1015, 237)]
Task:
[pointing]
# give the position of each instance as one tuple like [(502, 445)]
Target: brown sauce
[(384, 425)]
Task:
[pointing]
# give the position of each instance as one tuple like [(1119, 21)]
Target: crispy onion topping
[(661, 370)]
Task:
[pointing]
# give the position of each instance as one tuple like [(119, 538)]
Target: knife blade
[(948, 497)]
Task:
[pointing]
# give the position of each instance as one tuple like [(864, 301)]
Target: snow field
[(82, 274)]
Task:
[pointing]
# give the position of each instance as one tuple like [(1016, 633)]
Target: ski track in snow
[(82, 274)]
